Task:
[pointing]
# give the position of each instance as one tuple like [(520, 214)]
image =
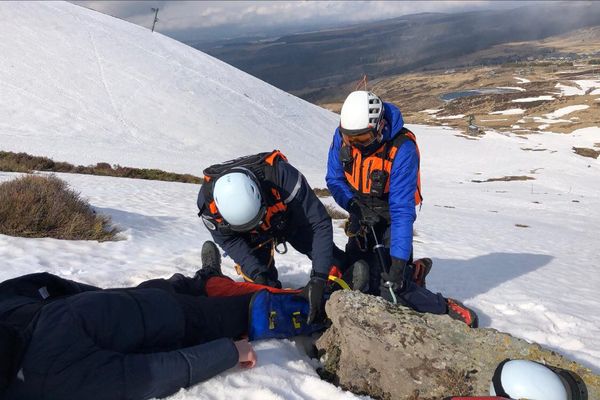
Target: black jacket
[(305, 214), (82, 342)]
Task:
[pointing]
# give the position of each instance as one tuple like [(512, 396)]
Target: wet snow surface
[(523, 254)]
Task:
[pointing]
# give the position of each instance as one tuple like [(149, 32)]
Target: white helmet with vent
[(524, 379), (239, 201), (361, 112)]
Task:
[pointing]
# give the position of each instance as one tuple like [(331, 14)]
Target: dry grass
[(322, 192), (506, 179), (585, 152), (23, 162), (44, 206), (335, 213)]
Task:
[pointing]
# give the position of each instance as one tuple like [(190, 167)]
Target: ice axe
[(370, 220)]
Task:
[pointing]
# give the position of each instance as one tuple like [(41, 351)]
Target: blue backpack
[(278, 316)]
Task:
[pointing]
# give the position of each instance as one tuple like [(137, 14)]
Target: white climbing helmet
[(239, 201), (362, 112), (524, 379)]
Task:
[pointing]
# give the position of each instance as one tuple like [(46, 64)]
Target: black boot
[(211, 261), (360, 276), (460, 312)]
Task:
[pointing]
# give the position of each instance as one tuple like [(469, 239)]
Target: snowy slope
[(75, 85), (80, 86), (537, 282)]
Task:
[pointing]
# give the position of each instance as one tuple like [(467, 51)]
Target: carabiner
[(284, 248)]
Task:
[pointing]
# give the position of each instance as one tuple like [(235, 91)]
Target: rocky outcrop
[(391, 352)]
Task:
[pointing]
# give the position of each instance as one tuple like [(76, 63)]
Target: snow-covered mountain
[(83, 87), (74, 79)]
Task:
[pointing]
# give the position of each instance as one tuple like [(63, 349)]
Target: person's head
[(239, 200), (531, 380), (361, 120)]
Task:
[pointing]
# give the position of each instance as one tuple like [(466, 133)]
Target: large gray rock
[(391, 352)]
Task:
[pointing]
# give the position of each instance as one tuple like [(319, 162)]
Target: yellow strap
[(272, 317), (339, 281), (239, 271)]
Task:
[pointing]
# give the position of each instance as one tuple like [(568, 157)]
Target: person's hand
[(352, 226), (313, 292), (395, 278), (247, 355)]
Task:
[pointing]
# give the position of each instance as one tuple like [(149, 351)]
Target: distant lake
[(476, 92)]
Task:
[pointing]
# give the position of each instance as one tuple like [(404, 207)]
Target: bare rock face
[(388, 351)]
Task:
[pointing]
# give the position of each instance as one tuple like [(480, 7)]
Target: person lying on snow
[(373, 173), (61, 339)]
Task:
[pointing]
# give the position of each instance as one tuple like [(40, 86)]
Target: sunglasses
[(362, 139)]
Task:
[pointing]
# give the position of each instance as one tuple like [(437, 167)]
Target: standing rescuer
[(373, 173)]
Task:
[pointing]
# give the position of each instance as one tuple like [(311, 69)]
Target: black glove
[(313, 292), (263, 278), (353, 226), (395, 278)]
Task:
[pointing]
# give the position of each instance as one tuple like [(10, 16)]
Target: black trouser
[(302, 241), (206, 318), (413, 296), (210, 318)]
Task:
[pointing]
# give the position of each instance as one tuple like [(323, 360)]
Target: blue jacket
[(86, 343), (307, 224), (403, 183)]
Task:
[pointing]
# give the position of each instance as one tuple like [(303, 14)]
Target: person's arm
[(335, 178), (157, 375), (403, 183), (297, 194), (240, 251)]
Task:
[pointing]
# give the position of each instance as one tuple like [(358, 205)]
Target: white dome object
[(361, 111), (237, 198), (523, 379)]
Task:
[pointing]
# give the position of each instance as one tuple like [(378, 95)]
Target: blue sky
[(213, 20)]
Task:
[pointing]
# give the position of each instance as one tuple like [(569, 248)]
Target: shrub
[(44, 206), (23, 162)]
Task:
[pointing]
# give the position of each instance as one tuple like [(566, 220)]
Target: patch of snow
[(592, 132), (516, 126), (587, 84), (549, 120), (561, 112), (522, 80), (530, 99), (520, 89), (569, 90), (511, 111), (459, 116), (543, 126), (583, 86), (497, 119), (431, 110)]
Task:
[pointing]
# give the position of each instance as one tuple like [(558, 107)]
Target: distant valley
[(321, 66)]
